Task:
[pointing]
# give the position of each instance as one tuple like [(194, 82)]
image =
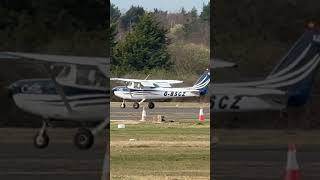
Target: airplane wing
[(147, 80), (101, 62), (81, 60), (218, 63)]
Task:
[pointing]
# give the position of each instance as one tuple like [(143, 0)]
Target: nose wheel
[(123, 105), (41, 140), (151, 105), (83, 139)]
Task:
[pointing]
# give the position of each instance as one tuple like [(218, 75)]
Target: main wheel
[(83, 139), (123, 105), (41, 141), (151, 105), (136, 105)]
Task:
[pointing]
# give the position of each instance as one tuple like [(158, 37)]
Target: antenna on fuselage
[(147, 77)]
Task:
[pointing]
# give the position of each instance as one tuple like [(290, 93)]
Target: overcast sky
[(165, 5)]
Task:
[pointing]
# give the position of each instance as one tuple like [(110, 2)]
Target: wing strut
[(59, 89)]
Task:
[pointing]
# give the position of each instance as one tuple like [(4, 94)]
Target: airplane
[(77, 90), (289, 84), (142, 90)]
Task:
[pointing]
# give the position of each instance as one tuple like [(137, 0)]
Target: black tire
[(83, 139), (122, 105), (136, 105), (41, 143), (151, 105)]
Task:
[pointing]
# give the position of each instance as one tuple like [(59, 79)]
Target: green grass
[(160, 151)]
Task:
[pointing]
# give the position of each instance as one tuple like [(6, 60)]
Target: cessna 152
[(137, 89), (77, 91), (289, 84)]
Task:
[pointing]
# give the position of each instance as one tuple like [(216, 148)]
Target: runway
[(249, 162), (60, 160), (170, 111)]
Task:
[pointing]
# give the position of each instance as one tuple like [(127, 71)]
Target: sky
[(165, 5)]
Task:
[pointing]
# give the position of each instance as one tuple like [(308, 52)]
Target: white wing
[(81, 60), (148, 81), (101, 62)]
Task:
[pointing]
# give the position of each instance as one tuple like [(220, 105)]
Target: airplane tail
[(202, 83), (297, 70)]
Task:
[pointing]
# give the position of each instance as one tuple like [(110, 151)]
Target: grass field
[(179, 150)]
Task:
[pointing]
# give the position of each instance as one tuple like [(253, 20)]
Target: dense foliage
[(64, 27), (158, 41), (145, 47)]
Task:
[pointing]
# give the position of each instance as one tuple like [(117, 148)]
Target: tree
[(132, 16), (205, 14), (114, 13), (194, 12), (144, 48)]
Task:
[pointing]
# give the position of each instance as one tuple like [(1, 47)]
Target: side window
[(90, 76), (100, 80), (83, 76)]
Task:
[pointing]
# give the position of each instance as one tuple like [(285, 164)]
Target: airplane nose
[(114, 89), (9, 91)]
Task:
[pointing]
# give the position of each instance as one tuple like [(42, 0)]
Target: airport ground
[(170, 150), (19, 159), (154, 150), (262, 154), (239, 154)]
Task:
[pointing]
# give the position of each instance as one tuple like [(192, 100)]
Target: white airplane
[(288, 85), (76, 91), (142, 90)]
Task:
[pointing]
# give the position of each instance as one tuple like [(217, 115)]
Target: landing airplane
[(288, 85), (137, 89), (76, 91)]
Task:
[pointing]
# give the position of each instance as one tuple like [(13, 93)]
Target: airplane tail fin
[(202, 83), (296, 71)]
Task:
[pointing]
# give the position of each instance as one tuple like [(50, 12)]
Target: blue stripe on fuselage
[(47, 86)]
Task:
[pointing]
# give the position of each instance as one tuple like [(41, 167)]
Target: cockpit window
[(89, 76), (64, 72)]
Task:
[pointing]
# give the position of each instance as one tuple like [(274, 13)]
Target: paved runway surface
[(249, 162), (170, 113), (61, 160)]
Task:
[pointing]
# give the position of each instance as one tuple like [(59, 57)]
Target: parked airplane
[(289, 83), (137, 89), (76, 91)]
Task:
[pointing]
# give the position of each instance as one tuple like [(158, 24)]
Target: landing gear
[(136, 105), (83, 139), (151, 105), (41, 139), (123, 105)]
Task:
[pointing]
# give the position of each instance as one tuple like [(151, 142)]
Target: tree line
[(163, 43)]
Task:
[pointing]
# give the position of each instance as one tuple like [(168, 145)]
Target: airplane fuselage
[(39, 97), (230, 103), (154, 93)]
